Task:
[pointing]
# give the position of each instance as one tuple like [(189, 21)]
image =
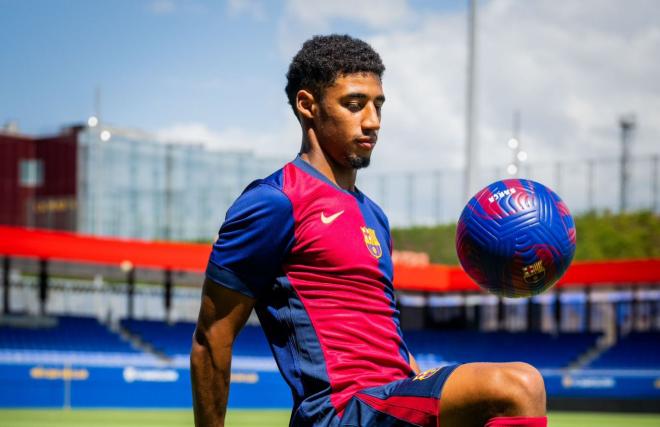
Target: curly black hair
[(324, 58)]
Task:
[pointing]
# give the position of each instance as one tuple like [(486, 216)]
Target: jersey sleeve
[(253, 241)]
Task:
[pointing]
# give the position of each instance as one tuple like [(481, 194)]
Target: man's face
[(349, 119)]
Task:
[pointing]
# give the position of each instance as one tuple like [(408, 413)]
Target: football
[(515, 238)]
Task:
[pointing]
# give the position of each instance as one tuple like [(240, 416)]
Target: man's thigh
[(476, 392)]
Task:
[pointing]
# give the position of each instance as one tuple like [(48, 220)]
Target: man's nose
[(371, 120)]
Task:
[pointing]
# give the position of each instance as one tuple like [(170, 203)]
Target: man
[(312, 255)]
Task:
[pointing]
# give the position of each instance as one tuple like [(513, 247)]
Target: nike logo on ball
[(329, 219)]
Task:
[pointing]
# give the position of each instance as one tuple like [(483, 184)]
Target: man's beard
[(358, 162)]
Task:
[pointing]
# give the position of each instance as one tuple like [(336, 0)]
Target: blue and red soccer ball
[(515, 238)]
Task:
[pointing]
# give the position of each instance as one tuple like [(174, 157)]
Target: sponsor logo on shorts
[(372, 242), (426, 374)]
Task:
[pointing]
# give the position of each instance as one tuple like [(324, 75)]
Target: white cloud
[(169, 7), (252, 8), (376, 14), (304, 18), (422, 118), (266, 144), (571, 71)]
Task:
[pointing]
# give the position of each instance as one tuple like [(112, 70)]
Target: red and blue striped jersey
[(317, 258)]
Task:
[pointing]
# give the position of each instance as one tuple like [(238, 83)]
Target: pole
[(558, 311), (410, 181), (635, 309), (654, 183), (516, 136), (168, 192), (97, 103), (465, 312), (627, 124), (437, 205), (43, 286), (558, 177), (382, 191), (588, 310), (6, 266), (477, 317), (590, 186), (470, 119), (130, 280), (501, 314), (168, 293), (98, 172), (67, 372), (99, 167)]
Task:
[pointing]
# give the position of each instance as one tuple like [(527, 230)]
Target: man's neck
[(341, 176)]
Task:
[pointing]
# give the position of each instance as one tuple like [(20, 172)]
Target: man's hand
[(222, 314)]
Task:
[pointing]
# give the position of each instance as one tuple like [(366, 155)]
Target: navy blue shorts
[(403, 403)]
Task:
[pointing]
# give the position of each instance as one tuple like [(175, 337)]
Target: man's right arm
[(222, 314)]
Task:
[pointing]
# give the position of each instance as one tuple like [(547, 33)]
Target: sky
[(214, 72)]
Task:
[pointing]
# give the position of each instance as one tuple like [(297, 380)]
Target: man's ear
[(305, 104)]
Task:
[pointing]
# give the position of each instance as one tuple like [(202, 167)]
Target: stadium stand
[(176, 339), (540, 349), (66, 333), (168, 339), (638, 350)]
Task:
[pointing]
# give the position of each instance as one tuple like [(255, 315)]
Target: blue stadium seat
[(638, 350), (539, 349), (69, 333), (176, 339)]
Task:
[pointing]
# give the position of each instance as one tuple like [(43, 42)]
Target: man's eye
[(354, 106)]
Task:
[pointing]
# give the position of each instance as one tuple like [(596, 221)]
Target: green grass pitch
[(260, 418)]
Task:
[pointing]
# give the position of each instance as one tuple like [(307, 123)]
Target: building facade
[(116, 182), (38, 180)]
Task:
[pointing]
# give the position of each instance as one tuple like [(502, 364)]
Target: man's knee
[(519, 387)]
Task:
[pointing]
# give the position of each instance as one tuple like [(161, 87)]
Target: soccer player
[(311, 254)]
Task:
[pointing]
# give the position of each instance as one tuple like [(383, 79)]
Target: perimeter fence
[(414, 198)]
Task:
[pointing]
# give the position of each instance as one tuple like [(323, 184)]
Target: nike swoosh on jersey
[(329, 219)]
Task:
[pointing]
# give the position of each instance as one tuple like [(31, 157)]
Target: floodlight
[(126, 266)]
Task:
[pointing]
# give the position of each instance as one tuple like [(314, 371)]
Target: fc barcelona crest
[(372, 242), (426, 374), (534, 272)]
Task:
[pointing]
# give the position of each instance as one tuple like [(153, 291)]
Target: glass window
[(31, 172)]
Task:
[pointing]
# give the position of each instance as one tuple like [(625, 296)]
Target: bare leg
[(477, 392)]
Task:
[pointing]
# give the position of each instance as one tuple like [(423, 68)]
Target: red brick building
[(38, 180)]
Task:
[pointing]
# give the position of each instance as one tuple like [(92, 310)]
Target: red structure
[(62, 246), (38, 180)]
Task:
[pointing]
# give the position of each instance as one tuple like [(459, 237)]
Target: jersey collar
[(311, 170)]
